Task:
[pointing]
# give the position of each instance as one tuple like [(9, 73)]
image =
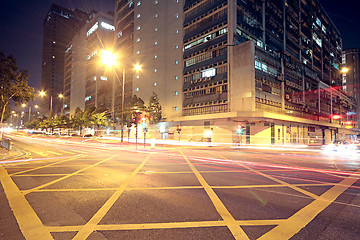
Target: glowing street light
[(344, 70), (108, 58)]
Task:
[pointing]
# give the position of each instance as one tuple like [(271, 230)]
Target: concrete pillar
[(327, 136)]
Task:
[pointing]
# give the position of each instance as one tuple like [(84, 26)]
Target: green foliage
[(154, 109), (13, 84)]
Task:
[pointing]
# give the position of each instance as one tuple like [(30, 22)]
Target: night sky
[(21, 24)]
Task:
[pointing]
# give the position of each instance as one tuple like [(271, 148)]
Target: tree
[(13, 84), (154, 109)]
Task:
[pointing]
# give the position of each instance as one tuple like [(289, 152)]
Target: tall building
[(88, 82), (351, 79), (60, 25), (100, 85), (150, 33), (271, 66)]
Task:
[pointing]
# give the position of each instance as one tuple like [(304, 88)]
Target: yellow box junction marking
[(90, 226), (29, 223), (64, 177), (231, 223), (304, 216), (274, 179)]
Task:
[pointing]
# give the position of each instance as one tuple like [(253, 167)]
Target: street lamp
[(42, 94), (61, 96), (344, 70), (109, 59)]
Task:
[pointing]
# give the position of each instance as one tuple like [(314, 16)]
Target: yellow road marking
[(235, 229), (48, 165), (89, 227), (56, 153), (67, 152), (143, 226), (64, 177), (310, 194), (29, 223), (41, 153), (300, 219)]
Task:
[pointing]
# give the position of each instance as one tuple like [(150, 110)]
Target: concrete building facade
[(351, 79), (268, 66), (150, 33)]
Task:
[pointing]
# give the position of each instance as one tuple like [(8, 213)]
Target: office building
[(351, 79), (60, 25), (150, 33), (269, 66)]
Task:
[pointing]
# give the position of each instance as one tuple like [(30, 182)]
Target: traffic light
[(178, 128), (240, 130)]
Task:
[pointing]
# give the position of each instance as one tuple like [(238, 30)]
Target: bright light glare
[(344, 70), (23, 105), (61, 96), (42, 93), (108, 58), (137, 67)]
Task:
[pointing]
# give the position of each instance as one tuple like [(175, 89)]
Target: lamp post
[(109, 59), (61, 96), (42, 94), (344, 70)]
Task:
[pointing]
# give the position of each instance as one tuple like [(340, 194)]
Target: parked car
[(88, 136)]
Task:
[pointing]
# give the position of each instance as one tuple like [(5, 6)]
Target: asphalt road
[(83, 189)]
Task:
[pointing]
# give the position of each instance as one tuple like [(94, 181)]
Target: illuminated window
[(107, 26), (208, 72), (92, 29)]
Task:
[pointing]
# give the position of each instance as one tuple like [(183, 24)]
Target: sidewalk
[(5, 154)]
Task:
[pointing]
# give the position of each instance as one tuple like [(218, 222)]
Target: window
[(208, 72), (107, 26), (92, 29)]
